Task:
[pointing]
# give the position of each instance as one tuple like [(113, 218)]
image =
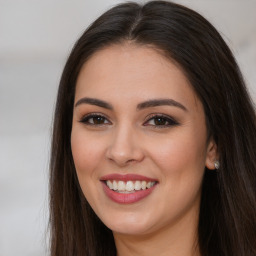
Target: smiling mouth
[(129, 186)]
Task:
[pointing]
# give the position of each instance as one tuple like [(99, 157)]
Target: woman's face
[(139, 140)]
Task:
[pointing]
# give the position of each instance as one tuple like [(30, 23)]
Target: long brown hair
[(227, 221)]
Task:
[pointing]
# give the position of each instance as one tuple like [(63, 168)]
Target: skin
[(128, 140)]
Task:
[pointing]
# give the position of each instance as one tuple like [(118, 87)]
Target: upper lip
[(126, 177)]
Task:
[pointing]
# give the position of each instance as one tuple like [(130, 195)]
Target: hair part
[(227, 221)]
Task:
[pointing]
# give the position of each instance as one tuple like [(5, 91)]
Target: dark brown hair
[(227, 221)]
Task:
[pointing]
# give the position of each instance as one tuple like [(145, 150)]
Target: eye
[(160, 120), (95, 119)]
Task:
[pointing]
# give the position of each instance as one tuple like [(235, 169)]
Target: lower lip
[(129, 198)]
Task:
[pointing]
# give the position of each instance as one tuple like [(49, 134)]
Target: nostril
[(131, 160), (122, 162)]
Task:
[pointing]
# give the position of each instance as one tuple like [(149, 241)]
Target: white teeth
[(129, 186), (121, 185), (109, 184), (150, 184), (137, 185), (115, 186), (143, 184)]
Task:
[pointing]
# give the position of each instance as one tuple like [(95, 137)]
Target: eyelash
[(85, 119), (167, 119)]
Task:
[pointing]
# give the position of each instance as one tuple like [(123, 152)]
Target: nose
[(124, 147)]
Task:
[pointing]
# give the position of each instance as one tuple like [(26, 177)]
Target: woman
[(153, 147)]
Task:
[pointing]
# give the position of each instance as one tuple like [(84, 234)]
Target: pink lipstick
[(128, 188)]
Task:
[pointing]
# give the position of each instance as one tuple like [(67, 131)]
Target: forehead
[(131, 71)]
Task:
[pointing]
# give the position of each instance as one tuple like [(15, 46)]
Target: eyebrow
[(96, 102), (160, 102), (143, 105)]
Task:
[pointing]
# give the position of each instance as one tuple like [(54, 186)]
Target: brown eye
[(98, 120), (161, 121), (95, 120)]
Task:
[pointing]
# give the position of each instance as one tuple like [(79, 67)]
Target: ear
[(211, 154)]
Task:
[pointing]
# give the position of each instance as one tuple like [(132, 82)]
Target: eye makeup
[(95, 119), (153, 120), (160, 121)]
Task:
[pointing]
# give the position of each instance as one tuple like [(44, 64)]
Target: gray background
[(35, 39)]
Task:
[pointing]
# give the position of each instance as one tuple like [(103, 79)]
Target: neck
[(180, 239)]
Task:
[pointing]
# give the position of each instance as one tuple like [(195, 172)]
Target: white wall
[(35, 38)]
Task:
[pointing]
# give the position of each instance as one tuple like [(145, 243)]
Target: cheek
[(86, 151), (178, 152), (181, 160)]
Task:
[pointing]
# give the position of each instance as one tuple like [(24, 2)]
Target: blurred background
[(35, 39)]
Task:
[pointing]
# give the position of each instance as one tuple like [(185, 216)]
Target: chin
[(129, 226), (130, 229)]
